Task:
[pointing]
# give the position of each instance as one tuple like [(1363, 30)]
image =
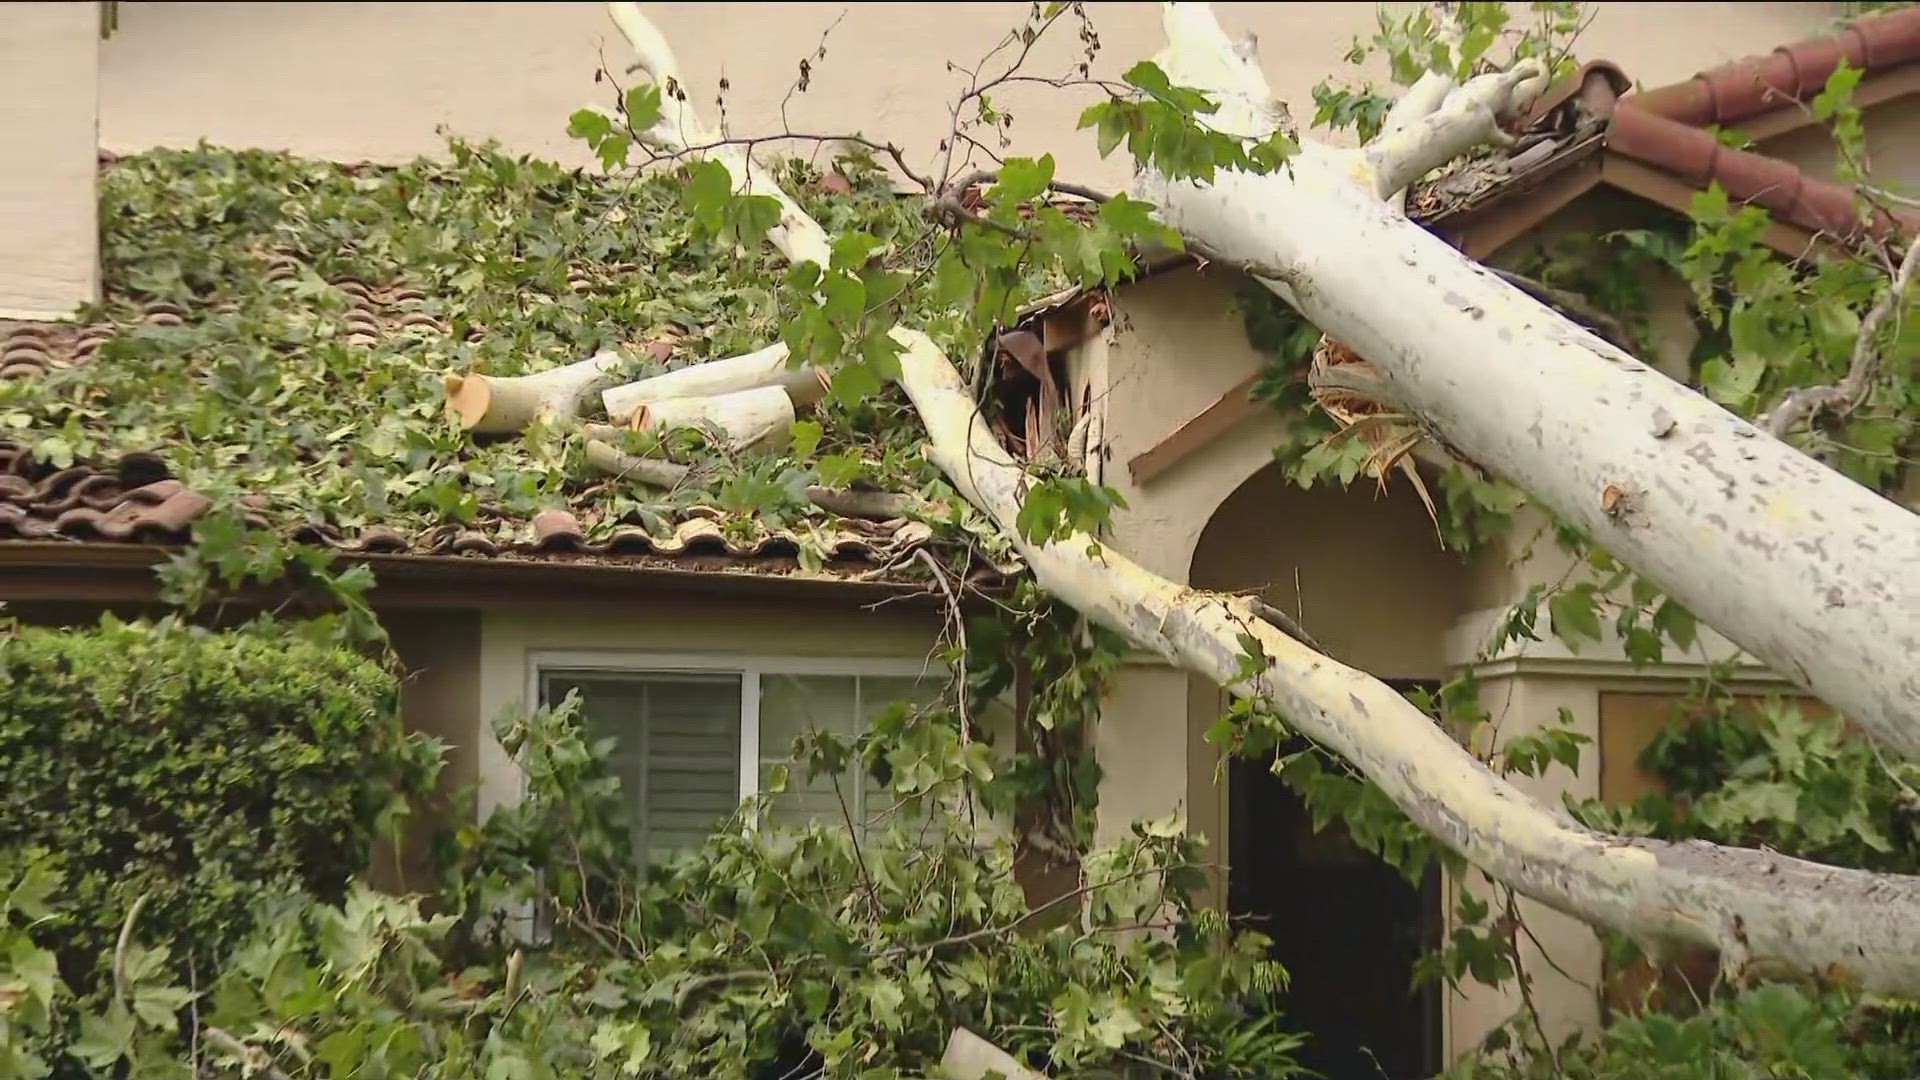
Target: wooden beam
[(1196, 432)]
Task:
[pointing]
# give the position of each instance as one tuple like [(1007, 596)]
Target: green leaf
[(643, 106), (852, 249), (591, 125), (805, 435), (1022, 180), (104, 1038), (855, 382), (1676, 622), (1574, 614)]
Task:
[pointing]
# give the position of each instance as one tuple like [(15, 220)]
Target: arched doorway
[(1366, 574)]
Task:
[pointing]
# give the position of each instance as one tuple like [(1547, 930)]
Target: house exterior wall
[(744, 630), (355, 81), (49, 238), (1893, 146)]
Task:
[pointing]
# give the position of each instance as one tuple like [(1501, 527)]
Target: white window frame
[(751, 667)]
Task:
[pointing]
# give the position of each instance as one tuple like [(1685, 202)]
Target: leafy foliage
[(199, 770), (265, 390), (820, 949)]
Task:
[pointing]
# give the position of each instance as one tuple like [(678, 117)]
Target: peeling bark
[(1813, 574)]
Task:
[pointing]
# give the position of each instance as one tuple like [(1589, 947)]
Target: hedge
[(209, 770)]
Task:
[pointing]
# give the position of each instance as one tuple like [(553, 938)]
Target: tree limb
[(501, 405), (1852, 389), (1469, 117), (797, 236), (1761, 910), (1427, 93), (748, 371)]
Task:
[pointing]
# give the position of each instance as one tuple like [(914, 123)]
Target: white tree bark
[(797, 236), (748, 371), (759, 420), (1762, 911), (1813, 574), (486, 405)]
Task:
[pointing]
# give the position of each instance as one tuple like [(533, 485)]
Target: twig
[(1846, 395), (120, 987), (1007, 928), (1284, 623), (252, 1058), (958, 620)]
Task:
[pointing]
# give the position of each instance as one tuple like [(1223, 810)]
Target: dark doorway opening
[(1347, 926)]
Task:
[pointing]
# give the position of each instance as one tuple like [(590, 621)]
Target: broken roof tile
[(1661, 129)]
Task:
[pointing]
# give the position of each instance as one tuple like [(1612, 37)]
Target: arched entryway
[(1366, 574)]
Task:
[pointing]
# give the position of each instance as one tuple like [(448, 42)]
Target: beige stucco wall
[(376, 81), (49, 240), (1893, 146)]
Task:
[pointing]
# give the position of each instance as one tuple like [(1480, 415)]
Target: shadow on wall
[(1363, 572)]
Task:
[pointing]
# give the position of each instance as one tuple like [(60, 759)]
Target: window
[(693, 739)]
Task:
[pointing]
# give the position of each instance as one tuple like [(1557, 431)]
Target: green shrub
[(206, 769)]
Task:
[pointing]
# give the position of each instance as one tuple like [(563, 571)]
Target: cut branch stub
[(489, 405), (501, 405)]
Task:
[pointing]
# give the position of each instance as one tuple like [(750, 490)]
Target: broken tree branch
[(748, 371), (1469, 117), (1761, 910), (797, 236), (1427, 93), (1851, 391), (604, 454)]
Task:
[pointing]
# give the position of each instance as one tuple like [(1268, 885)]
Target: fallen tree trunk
[(1813, 574), (1761, 911)]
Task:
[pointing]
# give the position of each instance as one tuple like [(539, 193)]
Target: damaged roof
[(1591, 129), (270, 344)]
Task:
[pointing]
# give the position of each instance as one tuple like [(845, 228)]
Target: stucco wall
[(376, 81), (1893, 146), (49, 246)]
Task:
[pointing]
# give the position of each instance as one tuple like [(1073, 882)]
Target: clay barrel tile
[(1746, 88)]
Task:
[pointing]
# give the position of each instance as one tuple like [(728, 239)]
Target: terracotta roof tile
[(1661, 128), (136, 501), (1746, 88)]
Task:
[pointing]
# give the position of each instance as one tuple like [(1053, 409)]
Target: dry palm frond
[(1354, 395)]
